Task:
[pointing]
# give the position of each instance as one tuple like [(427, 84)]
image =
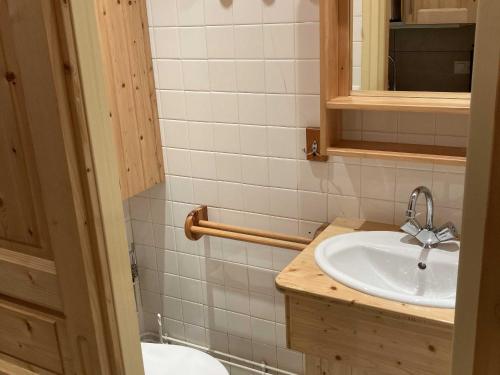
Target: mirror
[(413, 45)]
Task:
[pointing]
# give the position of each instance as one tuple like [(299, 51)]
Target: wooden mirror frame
[(336, 95)]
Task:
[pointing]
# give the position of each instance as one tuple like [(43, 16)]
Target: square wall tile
[(307, 76), (377, 210), (227, 138), (216, 49), (236, 276), (417, 123), (173, 105), (175, 133), (228, 167), (282, 142), (238, 300), (253, 140), (192, 313), (263, 331), (313, 206), (178, 162), (191, 290), (250, 76), (280, 76), (278, 11), (249, 42), (448, 189), (342, 206), (198, 106), (164, 237), (344, 179), (193, 42), (239, 326), (283, 202), (307, 111), (164, 12), (247, 11), (191, 12), (378, 182), (167, 262), (452, 124), (218, 12), (307, 40), (203, 165), (205, 192), (283, 173), (224, 107), (255, 170), (313, 176), (195, 73), (189, 266), (222, 75), (140, 208), (256, 199), (408, 179), (230, 195), (279, 42), (169, 75), (262, 306), (306, 10), (374, 121), (172, 308), (181, 189), (252, 109), (280, 110), (201, 136), (167, 43)]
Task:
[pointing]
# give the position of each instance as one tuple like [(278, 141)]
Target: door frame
[(477, 315), (98, 170)]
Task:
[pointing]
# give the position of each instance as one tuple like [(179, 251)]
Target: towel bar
[(197, 225)]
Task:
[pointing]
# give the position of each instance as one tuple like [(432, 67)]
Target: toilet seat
[(162, 359)]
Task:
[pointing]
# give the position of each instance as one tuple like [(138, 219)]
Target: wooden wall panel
[(133, 109)]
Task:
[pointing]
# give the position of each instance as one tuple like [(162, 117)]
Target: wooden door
[(66, 303)]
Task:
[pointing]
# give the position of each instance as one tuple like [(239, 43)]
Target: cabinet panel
[(356, 341), (124, 35), (31, 336)]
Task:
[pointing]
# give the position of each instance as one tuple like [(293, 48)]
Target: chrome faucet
[(427, 235)]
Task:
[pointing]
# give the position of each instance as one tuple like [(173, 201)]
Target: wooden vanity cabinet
[(126, 50), (347, 339)]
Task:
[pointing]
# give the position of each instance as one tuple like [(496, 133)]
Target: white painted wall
[(238, 83)]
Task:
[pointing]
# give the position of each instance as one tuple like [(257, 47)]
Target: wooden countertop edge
[(291, 283)]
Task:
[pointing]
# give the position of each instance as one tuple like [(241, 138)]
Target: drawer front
[(366, 340), (31, 336)]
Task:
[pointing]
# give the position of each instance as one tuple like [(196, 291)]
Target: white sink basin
[(386, 264)]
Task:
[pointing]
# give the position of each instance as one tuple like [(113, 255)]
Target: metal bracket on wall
[(312, 145)]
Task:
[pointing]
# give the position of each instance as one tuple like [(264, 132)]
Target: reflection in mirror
[(413, 45)]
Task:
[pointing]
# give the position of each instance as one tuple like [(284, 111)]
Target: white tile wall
[(238, 83)]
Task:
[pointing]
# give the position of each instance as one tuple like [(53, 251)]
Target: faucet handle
[(447, 232), (412, 227)]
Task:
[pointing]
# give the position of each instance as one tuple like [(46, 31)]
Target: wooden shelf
[(398, 103), (400, 151)]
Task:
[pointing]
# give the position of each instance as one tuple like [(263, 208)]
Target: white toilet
[(163, 359)]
